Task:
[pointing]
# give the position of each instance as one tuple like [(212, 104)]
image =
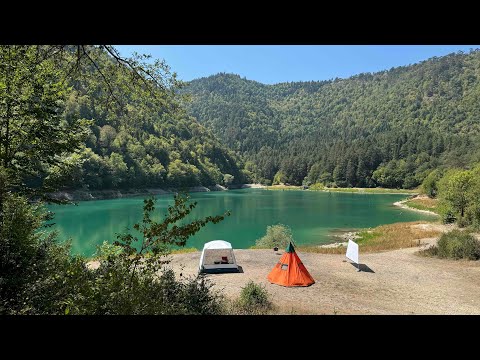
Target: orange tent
[(290, 271)]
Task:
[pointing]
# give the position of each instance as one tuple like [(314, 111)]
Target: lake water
[(313, 216)]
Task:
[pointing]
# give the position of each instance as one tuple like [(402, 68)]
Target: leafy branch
[(158, 237)]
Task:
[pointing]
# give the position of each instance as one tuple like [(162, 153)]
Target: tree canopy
[(389, 128), (139, 136)]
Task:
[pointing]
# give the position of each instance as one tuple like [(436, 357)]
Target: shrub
[(458, 245), (277, 236), (430, 184), (254, 299), (37, 275), (117, 291), (448, 217), (107, 250), (317, 186), (463, 222), (430, 251), (228, 179)]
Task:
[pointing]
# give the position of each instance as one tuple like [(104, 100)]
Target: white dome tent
[(217, 256)]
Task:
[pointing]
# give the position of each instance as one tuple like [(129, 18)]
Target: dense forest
[(135, 141), (387, 129), (83, 116), (49, 103)]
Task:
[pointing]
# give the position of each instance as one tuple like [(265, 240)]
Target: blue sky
[(271, 64)]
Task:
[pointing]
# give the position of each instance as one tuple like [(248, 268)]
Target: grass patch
[(277, 236), (284, 187), (320, 187), (423, 203), (183, 250), (384, 237), (372, 190), (456, 245), (254, 300)]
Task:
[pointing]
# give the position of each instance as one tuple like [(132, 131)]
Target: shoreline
[(107, 194), (401, 204), (353, 190), (86, 195), (391, 282)]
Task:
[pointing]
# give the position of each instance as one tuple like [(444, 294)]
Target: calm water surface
[(313, 216)]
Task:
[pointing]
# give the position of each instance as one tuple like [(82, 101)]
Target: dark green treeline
[(388, 129)]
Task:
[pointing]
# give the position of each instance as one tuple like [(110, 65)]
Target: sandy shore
[(391, 282), (402, 204), (253, 186), (400, 282)]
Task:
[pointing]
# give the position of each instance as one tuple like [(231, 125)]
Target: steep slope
[(388, 128), (151, 142)]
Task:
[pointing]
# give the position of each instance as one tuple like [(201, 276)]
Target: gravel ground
[(401, 282)]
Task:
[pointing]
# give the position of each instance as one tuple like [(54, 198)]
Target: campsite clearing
[(402, 282)]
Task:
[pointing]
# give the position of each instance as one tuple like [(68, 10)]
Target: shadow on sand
[(223, 271), (362, 267)]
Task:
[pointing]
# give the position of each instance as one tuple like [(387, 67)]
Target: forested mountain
[(389, 128), (138, 140)]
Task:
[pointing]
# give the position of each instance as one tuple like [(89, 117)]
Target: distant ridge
[(388, 128)]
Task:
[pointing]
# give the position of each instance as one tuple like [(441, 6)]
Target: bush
[(463, 222), (448, 217), (430, 251), (430, 184), (116, 290), (37, 275), (107, 250), (228, 179), (266, 182), (277, 236), (317, 186), (458, 245), (254, 299)]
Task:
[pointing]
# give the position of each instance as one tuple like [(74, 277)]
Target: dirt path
[(402, 283)]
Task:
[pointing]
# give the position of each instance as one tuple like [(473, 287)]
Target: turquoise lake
[(313, 216)]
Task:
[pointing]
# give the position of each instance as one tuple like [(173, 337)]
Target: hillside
[(138, 139), (388, 129)]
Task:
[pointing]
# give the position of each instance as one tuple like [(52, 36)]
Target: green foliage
[(141, 137), (316, 186), (157, 235), (254, 299), (458, 192), (43, 125), (277, 236), (279, 178), (107, 250), (228, 179), (146, 293), (402, 123), (182, 175), (370, 190), (430, 184), (132, 283), (35, 137), (431, 251), (458, 244), (367, 236), (37, 276)]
